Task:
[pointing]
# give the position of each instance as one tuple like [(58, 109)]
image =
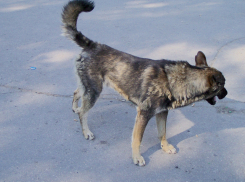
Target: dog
[(153, 86)]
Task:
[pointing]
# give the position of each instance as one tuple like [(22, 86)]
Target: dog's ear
[(201, 59)]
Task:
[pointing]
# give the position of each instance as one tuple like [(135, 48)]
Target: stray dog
[(154, 86)]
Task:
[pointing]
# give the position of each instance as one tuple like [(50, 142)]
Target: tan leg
[(76, 98), (139, 128), (161, 120)]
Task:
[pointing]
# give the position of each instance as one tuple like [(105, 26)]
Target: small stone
[(103, 142)]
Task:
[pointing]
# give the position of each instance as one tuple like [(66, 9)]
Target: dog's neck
[(187, 84)]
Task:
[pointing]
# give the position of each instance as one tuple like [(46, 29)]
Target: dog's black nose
[(222, 93)]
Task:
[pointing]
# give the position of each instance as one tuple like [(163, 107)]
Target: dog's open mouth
[(212, 100), (221, 94)]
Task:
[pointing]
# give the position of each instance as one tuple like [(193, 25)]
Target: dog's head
[(215, 80)]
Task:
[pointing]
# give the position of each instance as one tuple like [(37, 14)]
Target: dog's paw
[(169, 149), (138, 159), (88, 135)]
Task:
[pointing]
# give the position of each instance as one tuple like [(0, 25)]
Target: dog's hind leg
[(161, 119), (76, 98), (88, 101), (142, 119)]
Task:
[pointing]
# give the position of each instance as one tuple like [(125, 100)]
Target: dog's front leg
[(142, 119), (161, 119)]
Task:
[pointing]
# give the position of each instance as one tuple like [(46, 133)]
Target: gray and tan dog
[(154, 86)]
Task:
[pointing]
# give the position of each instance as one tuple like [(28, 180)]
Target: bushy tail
[(70, 14)]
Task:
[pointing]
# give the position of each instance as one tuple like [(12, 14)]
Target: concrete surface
[(40, 137)]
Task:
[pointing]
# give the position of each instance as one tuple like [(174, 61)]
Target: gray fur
[(154, 86)]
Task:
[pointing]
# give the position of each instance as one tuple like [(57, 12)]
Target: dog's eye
[(218, 79)]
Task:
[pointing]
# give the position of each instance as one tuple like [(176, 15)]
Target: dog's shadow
[(173, 141)]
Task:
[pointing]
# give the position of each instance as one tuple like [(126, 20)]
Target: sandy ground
[(41, 138)]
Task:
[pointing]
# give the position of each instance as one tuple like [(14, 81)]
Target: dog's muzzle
[(221, 94)]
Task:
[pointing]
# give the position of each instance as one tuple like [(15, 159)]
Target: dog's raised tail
[(70, 14)]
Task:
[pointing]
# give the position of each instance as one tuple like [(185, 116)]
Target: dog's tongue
[(214, 100)]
